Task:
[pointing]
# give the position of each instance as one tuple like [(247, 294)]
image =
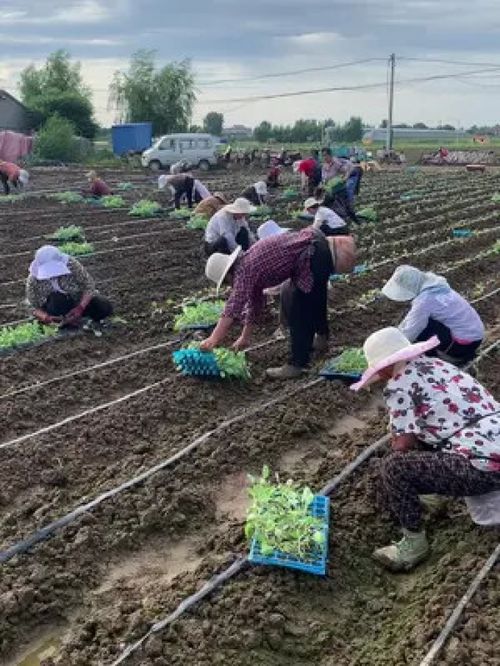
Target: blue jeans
[(352, 185)]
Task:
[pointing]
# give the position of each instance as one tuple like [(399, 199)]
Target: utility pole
[(392, 65)]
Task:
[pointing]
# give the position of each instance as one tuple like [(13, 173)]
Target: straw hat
[(312, 202), (221, 197), (49, 263), (388, 347), (261, 188), (91, 175), (407, 282), (218, 266), (240, 206), (270, 228)]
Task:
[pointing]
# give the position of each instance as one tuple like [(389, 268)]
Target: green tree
[(55, 141), (213, 123), (162, 96), (58, 88), (263, 132)]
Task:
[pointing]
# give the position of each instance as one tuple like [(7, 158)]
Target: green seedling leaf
[(76, 249), (13, 336), (200, 313), (145, 208)]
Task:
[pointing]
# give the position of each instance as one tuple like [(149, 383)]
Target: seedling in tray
[(77, 249), (349, 366), (287, 525), (24, 334), (199, 315), (222, 363)]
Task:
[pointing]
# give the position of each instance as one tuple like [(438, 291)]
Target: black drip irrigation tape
[(242, 562)]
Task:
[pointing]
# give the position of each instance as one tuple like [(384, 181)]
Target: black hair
[(326, 151)]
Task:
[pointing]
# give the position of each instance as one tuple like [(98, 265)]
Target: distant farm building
[(237, 132), (380, 134), (14, 116)]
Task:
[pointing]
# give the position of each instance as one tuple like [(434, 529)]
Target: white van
[(198, 150)]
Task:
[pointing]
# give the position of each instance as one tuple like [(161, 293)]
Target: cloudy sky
[(232, 42)]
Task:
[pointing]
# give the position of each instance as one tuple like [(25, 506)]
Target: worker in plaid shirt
[(305, 259)]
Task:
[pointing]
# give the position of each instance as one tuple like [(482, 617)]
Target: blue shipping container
[(131, 136)]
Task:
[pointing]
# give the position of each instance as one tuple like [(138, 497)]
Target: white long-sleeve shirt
[(202, 190), (223, 225), (447, 307), (329, 217)]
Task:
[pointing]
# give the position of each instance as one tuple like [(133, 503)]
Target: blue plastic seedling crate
[(329, 371), (320, 508), (196, 363), (462, 233), (357, 270)]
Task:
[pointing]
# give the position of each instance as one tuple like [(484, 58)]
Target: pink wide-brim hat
[(402, 356)]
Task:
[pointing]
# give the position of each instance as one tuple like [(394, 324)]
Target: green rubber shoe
[(405, 554)]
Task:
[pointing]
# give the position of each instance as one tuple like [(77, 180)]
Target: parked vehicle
[(199, 150)]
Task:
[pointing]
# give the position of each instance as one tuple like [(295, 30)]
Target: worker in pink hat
[(445, 431)]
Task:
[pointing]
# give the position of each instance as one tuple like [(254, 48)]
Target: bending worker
[(209, 206), (180, 185), (334, 167), (445, 439), (12, 175), (436, 309), (310, 174), (60, 290), (256, 193), (325, 219), (303, 257), (228, 228)]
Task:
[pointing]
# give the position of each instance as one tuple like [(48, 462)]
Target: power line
[(293, 72), (451, 62), (367, 86)]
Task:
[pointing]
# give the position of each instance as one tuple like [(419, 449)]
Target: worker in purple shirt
[(305, 259)]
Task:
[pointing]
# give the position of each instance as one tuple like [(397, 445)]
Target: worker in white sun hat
[(436, 309), (228, 228), (270, 228), (445, 429), (325, 219), (256, 193)]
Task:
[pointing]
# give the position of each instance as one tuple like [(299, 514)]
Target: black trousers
[(337, 231), (220, 245), (447, 345), (58, 305), (307, 312), (185, 189)]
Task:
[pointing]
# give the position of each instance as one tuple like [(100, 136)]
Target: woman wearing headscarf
[(98, 187), (445, 430), (436, 309), (60, 290), (256, 193)]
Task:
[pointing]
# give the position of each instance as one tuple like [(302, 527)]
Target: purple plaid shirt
[(267, 264)]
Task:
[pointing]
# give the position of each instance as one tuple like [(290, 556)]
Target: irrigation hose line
[(452, 621), (241, 563)]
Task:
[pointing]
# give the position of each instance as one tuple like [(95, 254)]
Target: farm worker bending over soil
[(273, 175), (310, 174), (336, 198), (256, 193), (200, 191), (98, 188), (228, 228), (61, 291), (209, 206), (445, 438), (12, 175), (325, 219), (337, 166), (180, 185), (436, 309), (305, 258)]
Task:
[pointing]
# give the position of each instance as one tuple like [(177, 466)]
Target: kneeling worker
[(304, 258), (228, 228)]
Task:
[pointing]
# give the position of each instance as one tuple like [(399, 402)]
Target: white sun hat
[(270, 228), (311, 203), (240, 206), (388, 347), (162, 182), (218, 266), (49, 263), (261, 188), (407, 282), (24, 177)]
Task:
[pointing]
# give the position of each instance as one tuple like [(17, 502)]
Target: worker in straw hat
[(13, 176), (228, 228), (304, 257), (256, 194), (436, 309), (445, 431), (98, 187)]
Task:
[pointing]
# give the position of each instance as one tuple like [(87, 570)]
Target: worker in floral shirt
[(445, 436), (303, 257)]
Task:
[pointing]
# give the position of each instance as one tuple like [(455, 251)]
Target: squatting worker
[(256, 193), (180, 185), (228, 228), (325, 219), (60, 290), (445, 438), (98, 187), (303, 257), (12, 175), (209, 206), (436, 309)]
